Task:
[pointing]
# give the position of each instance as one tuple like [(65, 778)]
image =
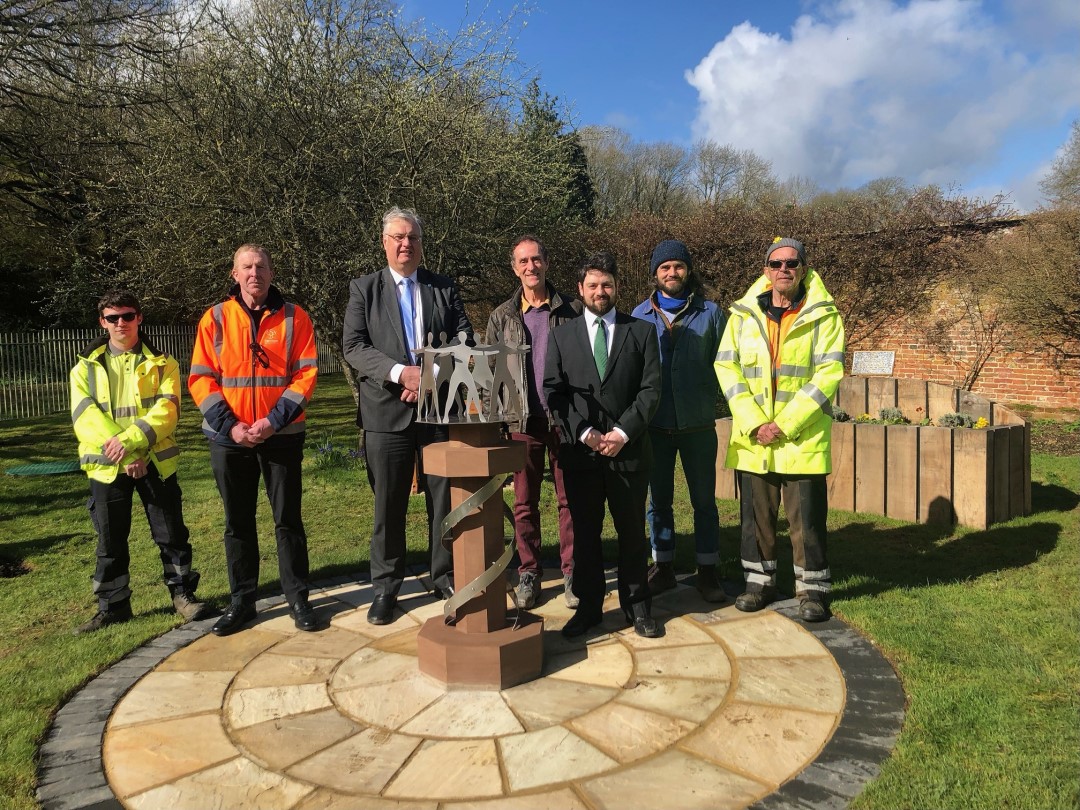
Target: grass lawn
[(982, 626)]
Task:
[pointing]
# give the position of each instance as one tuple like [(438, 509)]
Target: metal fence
[(34, 366)]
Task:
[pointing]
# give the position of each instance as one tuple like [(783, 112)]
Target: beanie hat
[(784, 241), (671, 250)]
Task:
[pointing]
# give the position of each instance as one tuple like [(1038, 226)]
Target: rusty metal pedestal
[(482, 650)]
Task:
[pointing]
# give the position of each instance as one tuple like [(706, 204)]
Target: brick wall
[(948, 344)]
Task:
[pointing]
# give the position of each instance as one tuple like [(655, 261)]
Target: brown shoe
[(187, 604), (116, 614), (812, 609), (708, 585), (755, 600), (662, 577)]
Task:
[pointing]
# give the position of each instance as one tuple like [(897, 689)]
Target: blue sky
[(972, 95)]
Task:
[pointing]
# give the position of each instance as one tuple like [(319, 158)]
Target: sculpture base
[(496, 660)]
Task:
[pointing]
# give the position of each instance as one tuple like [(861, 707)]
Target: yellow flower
[(981, 423)]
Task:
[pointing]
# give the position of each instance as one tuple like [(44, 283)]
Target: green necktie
[(599, 348)]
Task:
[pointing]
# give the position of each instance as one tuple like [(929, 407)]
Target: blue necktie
[(407, 318)]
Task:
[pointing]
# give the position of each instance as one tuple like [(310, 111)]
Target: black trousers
[(110, 511), (391, 457), (624, 493), (237, 471), (806, 503)]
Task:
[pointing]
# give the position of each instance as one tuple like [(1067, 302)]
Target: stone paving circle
[(726, 710)]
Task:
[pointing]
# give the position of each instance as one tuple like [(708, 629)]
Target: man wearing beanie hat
[(689, 328), (779, 364)]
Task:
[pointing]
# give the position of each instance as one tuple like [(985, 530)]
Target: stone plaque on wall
[(870, 363)]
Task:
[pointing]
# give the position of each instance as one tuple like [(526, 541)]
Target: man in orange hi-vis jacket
[(253, 371)]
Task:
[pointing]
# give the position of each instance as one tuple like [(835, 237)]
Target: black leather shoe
[(381, 610), (755, 600), (644, 624), (304, 615), (581, 622), (234, 618), (812, 610)]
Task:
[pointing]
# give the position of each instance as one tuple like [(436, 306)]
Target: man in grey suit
[(602, 382), (389, 316)]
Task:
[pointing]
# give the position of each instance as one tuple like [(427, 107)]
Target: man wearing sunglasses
[(779, 364), (253, 372), (125, 401)]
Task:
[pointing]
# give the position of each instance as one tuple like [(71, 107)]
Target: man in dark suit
[(389, 316), (602, 382)]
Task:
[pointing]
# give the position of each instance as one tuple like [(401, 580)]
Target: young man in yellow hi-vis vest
[(125, 402)]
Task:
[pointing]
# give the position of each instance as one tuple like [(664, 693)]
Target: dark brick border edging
[(71, 775)]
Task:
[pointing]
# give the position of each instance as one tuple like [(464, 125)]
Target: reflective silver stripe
[(759, 579), (148, 432), (204, 371), (738, 388), (168, 452), (759, 399), (125, 411), (726, 357), (210, 402), (173, 398), (293, 396), (815, 394), (785, 370), (764, 566), (290, 310), (753, 373), (292, 427), (96, 458), (818, 576), (148, 402), (85, 403), (181, 570), (817, 587), (784, 396), (828, 357), (91, 382), (217, 315), (258, 382), (313, 363)]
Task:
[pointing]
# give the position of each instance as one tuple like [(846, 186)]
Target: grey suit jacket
[(626, 397), (373, 340)]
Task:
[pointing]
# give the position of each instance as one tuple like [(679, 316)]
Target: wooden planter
[(920, 474)]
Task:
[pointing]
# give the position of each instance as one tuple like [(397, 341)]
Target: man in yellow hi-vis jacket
[(779, 364), (125, 401)]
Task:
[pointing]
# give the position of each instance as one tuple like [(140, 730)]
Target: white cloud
[(929, 90)]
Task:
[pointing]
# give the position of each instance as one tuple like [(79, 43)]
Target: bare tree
[(1062, 183)]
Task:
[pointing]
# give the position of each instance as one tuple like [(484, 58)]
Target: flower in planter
[(893, 416), (866, 419), (981, 423), (956, 420), (840, 415)]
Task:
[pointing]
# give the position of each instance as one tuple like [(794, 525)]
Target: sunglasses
[(126, 317), (790, 264), (259, 354)]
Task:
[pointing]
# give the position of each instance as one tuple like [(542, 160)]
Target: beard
[(600, 308)]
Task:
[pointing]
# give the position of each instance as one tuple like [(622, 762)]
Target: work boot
[(812, 608), (572, 601), (116, 614), (528, 591), (709, 586), (662, 577), (756, 599), (187, 604)]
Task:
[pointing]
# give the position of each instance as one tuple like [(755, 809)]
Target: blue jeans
[(697, 449)]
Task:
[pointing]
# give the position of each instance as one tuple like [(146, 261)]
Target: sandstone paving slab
[(389, 704), (561, 799), (449, 769), (692, 699), (281, 670), (465, 713), (357, 622), (768, 743), (673, 779), (549, 757), (604, 665), (284, 741), (547, 701), (330, 642), (325, 799), (769, 635), (626, 733), (229, 654), (804, 683), (141, 757), (362, 763), (247, 707), (403, 643), (371, 665), (236, 783), (678, 632), (709, 662), (163, 695)]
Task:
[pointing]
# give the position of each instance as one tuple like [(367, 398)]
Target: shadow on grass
[(1052, 498)]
